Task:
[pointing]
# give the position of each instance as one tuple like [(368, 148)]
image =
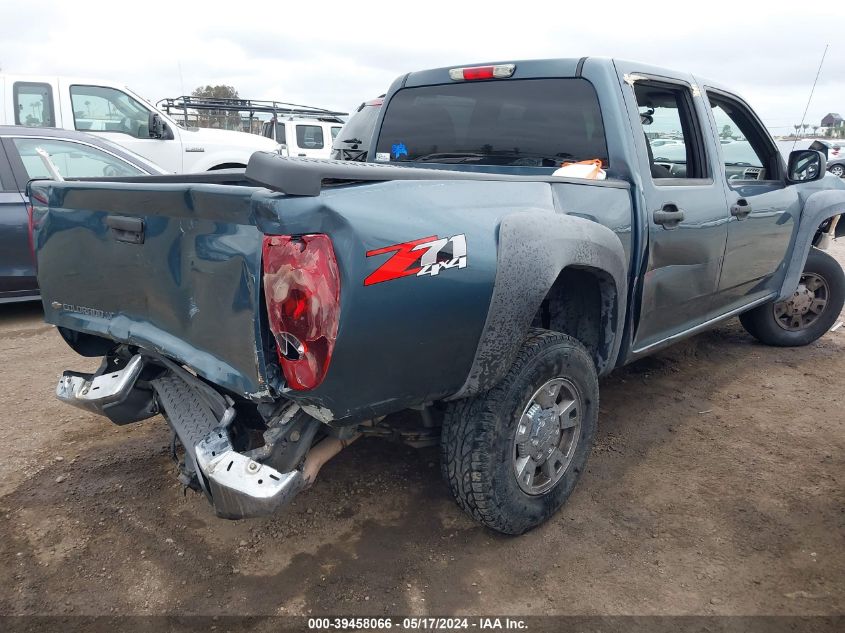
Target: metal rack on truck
[(179, 107)]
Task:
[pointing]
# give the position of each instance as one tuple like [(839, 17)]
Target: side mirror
[(158, 128), (805, 165), (283, 149)]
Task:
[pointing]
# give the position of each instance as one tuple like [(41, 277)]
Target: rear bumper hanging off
[(96, 393), (238, 487)]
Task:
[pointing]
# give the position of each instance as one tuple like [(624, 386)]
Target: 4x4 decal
[(425, 256)]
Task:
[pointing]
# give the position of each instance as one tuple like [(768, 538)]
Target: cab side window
[(34, 104), (747, 154), (101, 109), (673, 137), (309, 136)]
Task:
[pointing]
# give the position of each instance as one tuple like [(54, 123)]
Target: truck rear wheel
[(808, 313), (512, 455)]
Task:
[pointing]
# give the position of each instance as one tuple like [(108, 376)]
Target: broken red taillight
[(302, 290), (498, 71)]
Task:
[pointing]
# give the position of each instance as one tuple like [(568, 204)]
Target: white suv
[(304, 136)]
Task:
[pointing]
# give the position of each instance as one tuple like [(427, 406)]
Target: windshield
[(359, 128), (527, 122)]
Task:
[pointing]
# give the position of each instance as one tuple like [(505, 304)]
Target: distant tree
[(815, 130), (797, 127), (216, 92), (218, 118), (806, 127), (727, 132)]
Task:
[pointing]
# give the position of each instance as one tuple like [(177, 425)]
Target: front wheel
[(512, 455), (808, 313), (837, 170)]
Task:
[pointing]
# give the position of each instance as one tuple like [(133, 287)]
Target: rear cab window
[(33, 104), (520, 123)]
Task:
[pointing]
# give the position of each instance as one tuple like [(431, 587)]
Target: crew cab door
[(763, 210), (17, 265), (684, 205), (123, 119)]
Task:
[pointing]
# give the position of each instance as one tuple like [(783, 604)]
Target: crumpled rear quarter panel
[(412, 339)]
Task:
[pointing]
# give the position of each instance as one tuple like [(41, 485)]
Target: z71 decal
[(425, 256)]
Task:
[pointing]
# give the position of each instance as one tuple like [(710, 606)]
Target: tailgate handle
[(124, 229)]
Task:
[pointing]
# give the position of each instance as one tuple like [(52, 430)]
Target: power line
[(812, 90)]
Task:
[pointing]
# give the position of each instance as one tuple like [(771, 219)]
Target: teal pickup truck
[(273, 315)]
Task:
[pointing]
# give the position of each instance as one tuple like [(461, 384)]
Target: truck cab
[(114, 112)]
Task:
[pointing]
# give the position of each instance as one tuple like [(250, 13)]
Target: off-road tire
[(477, 439), (762, 325)]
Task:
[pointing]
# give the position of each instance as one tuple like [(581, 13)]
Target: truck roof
[(552, 67)]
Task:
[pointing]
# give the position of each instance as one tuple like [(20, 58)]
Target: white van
[(118, 114), (309, 137)]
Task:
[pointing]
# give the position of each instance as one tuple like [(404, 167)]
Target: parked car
[(831, 148), (304, 137), (659, 142), (112, 111), (353, 141), (76, 155), (835, 158), (274, 322)]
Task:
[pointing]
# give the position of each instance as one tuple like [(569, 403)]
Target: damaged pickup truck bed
[(275, 314)]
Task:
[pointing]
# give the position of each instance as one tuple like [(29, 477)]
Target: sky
[(336, 55)]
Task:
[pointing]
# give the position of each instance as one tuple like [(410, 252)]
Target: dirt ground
[(716, 487)]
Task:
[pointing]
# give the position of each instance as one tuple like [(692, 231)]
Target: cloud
[(336, 55)]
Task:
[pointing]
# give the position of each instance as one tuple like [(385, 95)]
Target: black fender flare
[(534, 246), (818, 207)]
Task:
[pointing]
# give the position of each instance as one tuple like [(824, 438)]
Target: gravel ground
[(715, 487)]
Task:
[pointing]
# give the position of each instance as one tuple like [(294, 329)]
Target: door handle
[(669, 217), (741, 209), (124, 229)]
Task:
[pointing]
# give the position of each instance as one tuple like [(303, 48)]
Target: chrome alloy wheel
[(546, 436), (805, 305)]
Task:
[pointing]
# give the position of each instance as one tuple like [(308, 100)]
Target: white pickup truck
[(115, 112)]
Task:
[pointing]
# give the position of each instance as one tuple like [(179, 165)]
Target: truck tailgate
[(173, 268)]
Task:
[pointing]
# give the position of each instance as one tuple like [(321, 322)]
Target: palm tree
[(815, 130), (797, 127), (806, 126)]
